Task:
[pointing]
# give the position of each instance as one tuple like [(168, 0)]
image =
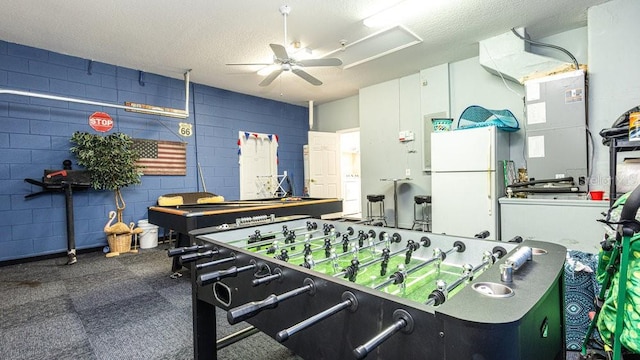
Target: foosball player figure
[(400, 276), (308, 262), (311, 225), (327, 247), (274, 247), (284, 255), (467, 270), (351, 271), (385, 261), (290, 239), (255, 237), (328, 229), (361, 237), (307, 250), (345, 243), (439, 255), (411, 247)]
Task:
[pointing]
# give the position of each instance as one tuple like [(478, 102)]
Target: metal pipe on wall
[(97, 103), (310, 114)]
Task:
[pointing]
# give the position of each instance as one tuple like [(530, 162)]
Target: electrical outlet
[(407, 172)]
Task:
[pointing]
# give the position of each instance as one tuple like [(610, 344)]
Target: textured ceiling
[(168, 37)]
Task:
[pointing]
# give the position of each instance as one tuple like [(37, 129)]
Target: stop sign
[(100, 121)]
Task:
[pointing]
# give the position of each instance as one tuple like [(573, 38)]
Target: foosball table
[(338, 290)]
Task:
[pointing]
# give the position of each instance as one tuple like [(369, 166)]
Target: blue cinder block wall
[(34, 135)]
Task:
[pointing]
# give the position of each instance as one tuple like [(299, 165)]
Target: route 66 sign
[(185, 129)]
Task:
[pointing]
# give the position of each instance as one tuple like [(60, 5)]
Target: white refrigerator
[(467, 180)]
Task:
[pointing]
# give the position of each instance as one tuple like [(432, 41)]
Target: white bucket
[(149, 235)]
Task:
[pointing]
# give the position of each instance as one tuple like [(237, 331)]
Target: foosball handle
[(208, 278), (184, 250), (248, 310), (216, 262), (194, 256)]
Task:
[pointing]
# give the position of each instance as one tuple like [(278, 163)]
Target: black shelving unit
[(617, 145)]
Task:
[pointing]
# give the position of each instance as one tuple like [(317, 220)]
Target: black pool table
[(185, 218)]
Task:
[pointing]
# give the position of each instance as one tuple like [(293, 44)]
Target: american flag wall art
[(158, 157)]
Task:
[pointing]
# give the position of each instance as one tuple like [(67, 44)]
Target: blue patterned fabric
[(581, 288), (476, 116)]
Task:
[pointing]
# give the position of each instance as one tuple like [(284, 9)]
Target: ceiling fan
[(284, 62)]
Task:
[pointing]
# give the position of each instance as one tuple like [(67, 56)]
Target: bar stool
[(424, 221), (372, 199)]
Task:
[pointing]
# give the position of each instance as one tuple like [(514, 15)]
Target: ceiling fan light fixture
[(282, 61)]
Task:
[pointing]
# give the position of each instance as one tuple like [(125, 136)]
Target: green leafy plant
[(111, 161)]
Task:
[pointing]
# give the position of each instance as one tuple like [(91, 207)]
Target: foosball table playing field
[(338, 290)]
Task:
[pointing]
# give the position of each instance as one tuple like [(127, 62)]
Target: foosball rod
[(251, 309), (372, 262), (323, 247), (309, 226), (295, 242), (439, 296), (354, 250), (349, 301), (402, 320), (398, 277), (235, 337), (371, 234)]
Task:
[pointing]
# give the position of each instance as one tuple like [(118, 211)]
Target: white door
[(324, 165), (350, 173)]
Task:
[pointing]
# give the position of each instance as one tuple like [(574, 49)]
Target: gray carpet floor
[(124, 307)]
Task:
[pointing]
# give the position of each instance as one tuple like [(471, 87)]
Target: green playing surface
[(417, 285)]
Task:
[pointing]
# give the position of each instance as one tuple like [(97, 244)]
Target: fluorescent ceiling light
[(383, 19), (376, 45), (400, 12)]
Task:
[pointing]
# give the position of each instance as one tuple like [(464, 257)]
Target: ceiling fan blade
[(269, 79), (320, 62), (249, 64), (305, 75), (279, 51)]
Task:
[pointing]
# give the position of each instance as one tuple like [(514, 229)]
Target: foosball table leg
[(204, 329)]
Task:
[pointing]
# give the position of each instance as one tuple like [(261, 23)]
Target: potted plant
[(111, 162)]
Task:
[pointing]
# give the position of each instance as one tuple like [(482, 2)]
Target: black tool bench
[(65, 182)]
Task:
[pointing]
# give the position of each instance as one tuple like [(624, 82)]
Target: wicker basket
[(119, 243)]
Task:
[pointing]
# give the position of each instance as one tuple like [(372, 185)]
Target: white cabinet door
[(463, 150), (464, 204)]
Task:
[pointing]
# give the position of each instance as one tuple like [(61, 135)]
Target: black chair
[(379, 218)]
